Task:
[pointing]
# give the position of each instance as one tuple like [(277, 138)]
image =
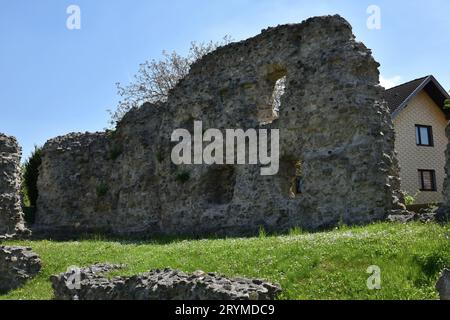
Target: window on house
[(424, 136), (427, 180)]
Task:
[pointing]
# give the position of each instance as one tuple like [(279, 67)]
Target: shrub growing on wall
[(30, 173)]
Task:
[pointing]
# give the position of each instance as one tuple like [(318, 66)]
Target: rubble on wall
[(17, 265), (332, 120), (164, 284), (11, 215)]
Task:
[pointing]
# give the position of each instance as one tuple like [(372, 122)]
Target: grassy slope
[(329, 265)]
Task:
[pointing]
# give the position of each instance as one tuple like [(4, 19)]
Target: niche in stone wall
[(218, 184), (290, 178)]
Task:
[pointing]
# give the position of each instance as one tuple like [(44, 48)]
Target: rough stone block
[(91, 284), (17, 265)]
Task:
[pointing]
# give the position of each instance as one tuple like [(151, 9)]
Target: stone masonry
[(443, 213), (333, 123), (17, 265), (92, 284), (11, 215), (443, 285)]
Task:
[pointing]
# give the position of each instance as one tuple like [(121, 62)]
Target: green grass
[(329, 265)]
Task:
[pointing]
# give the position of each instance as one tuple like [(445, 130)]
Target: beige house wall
[(423, 111)]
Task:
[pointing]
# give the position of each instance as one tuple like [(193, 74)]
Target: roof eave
[(412, 95)]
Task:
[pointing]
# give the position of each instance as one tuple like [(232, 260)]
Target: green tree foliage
[(410, 199), (30, 173), (155, 78)]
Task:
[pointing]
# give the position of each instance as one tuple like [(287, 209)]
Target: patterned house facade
[(420, 121)]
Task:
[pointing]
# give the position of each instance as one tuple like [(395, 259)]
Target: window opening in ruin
[(297, 180), (291, 178), (299, 185), (270, 104), (278, 92)]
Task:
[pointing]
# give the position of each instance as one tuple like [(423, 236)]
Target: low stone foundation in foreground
[(91, 283)]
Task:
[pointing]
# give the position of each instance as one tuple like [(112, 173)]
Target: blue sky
[(54, 80)]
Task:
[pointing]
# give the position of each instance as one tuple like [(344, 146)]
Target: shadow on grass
[(164, 239), (64, 235)]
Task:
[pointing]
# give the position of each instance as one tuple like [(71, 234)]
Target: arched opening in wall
[(218, 184), (291, 178), (275, 83)]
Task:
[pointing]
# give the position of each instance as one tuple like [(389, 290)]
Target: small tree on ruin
[(155, 79)]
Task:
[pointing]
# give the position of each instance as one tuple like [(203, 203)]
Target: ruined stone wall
[(443, 213), (11, 216), (332, 121)]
